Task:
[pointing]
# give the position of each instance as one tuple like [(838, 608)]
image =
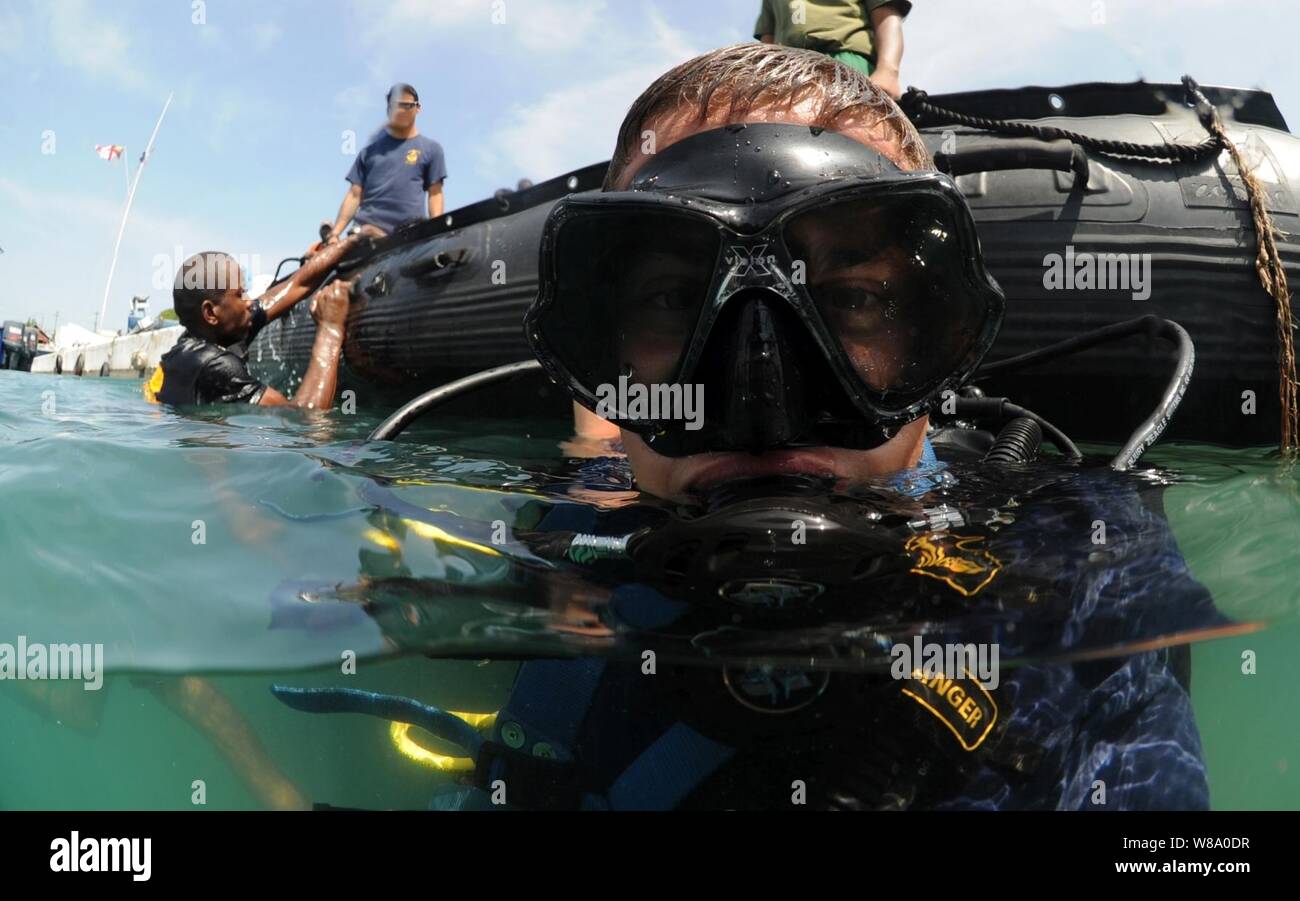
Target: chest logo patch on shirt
[(412, 157), (953, 559)]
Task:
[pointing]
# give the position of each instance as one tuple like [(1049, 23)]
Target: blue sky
[(252, 156)]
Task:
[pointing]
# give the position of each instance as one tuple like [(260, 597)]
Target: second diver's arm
[(279, 299), (329, 308)]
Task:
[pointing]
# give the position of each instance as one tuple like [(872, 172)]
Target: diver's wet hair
[(204, 276), (743, 77)]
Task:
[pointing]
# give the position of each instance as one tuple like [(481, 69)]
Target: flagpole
[(130, 196)]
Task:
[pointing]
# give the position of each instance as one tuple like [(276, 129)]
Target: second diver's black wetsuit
[(198, 371)]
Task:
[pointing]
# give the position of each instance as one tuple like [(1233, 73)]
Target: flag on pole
[(109, 152)]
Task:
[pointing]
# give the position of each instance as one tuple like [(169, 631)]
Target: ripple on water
[(169, 538)]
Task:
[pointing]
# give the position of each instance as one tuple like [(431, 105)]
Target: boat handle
[(1015, 153), (436, 263)]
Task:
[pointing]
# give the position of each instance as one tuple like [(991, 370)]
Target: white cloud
[(957, 48), (96, 45), (265, 35), (570, 126), (407, 22), (79, 229), (547, 25), (946, 49), (359, 99), (672, 44), (567, 128), (214, 36), (11, 32), (577, 124), (553, 26), (102, 214)]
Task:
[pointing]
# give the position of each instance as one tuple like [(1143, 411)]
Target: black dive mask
[(764, 286)]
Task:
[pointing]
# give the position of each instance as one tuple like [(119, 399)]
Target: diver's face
[(230, 316), (852, 289), (679, 477), (856, 271)]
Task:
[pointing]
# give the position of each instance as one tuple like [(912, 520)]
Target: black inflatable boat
[(1078, 239)]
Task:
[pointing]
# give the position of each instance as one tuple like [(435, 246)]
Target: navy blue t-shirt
[(395, 177)]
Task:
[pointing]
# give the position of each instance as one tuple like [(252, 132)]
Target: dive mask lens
[(811, 291), (629, 288), (888, 278)]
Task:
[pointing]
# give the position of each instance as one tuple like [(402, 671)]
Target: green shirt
[(829, 26)]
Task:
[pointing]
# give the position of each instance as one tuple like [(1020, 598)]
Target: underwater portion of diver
[(846, 496), (752, 636), (1050, 562)]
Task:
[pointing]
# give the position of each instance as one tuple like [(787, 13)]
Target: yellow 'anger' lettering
[(948, 689)]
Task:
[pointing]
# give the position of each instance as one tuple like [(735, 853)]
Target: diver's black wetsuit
[(722, 731), (1115, 733), (197, 371)]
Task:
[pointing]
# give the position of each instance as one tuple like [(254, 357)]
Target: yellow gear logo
[(953, 559), (154, 386), (412, 157)]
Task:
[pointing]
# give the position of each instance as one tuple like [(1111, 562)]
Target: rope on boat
[(1268, 266), (916, 101), (1268, 261)]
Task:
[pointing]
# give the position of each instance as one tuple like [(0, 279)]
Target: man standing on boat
[(866, 35), (397, 177)]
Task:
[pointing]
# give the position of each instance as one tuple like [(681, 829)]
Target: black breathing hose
[(1151, 427), (1146, 434), (1018, 442), (979, 407), (1001, 409), (392, 426)]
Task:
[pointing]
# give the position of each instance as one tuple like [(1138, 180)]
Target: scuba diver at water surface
[(208, 364), (773, 240)]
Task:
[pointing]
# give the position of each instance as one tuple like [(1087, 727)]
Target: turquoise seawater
[(168, 539)]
